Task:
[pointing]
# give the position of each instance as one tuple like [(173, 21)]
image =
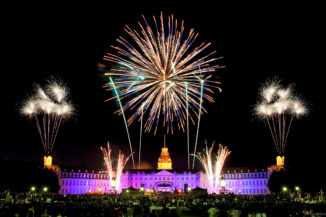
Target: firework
[(278, 106), (140, 137), (153, 71), (48, 107), (121, 162), (213, 165), (199, 116), (187, 107), (125, 121)]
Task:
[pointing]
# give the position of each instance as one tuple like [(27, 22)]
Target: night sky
[(256, 42)]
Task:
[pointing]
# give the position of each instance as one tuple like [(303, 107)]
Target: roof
[(148, 171), (244, 169)]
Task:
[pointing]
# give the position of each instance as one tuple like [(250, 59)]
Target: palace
[(245, 181)]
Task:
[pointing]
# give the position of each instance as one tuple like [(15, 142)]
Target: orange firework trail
[(213, 165), (121, 163), (153, 71)]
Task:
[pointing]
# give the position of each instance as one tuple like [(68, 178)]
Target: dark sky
[(255, 41)]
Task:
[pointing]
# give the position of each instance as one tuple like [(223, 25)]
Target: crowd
[(54, 205)]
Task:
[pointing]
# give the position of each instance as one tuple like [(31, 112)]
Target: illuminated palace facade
[(164, 179)]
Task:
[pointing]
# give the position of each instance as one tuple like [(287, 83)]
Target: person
[(174, 213), (212, 211), (165, 211), (30, 212), (119, 213), (143, 212), (154, 214), (178, 210), (45, 213), (130, 212)]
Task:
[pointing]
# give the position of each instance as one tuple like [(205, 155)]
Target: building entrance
[(164, 187)]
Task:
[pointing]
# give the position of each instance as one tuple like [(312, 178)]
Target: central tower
[(164, 161)]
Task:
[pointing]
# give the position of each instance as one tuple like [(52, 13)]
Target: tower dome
[(164, 161)]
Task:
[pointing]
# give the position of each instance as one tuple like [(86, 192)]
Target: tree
[(20, 176)]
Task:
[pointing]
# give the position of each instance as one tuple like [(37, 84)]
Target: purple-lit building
[(237, 181), (164, 179)]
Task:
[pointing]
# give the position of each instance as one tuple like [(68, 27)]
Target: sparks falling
[(279, 106), (48, 107), (213, 165), (153, 71), (121, 163)]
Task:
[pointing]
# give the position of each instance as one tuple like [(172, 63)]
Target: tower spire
[(164, 142), (164, 161)]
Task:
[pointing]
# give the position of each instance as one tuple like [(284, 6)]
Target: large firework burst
[(48, 106), (161, 74), (279, 106)]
